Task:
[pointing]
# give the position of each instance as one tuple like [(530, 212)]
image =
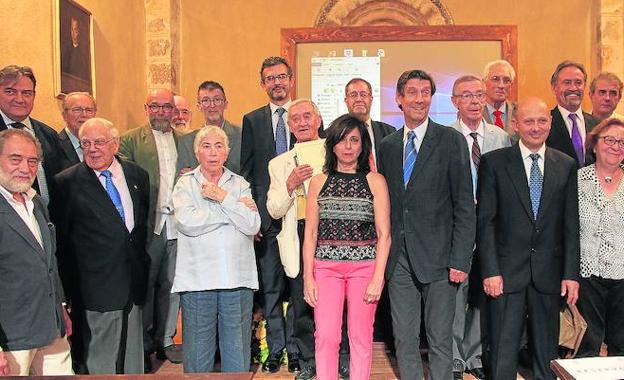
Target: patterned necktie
[(476, 151), (409, 157), (577, 141), (113, 193), (498, 120), (281, 145), (535, 184)]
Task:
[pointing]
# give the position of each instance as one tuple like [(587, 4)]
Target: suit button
[(537, 230), (532, 250), (49, 294), (406, 211)]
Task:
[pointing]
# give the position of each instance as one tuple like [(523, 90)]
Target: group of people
[(480, 229)]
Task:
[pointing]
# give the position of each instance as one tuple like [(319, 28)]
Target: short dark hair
[(336, 132), (355, 80), (274, 61), (13, 72), (592, 137), (211, 85), (563, 65), (414, 74)]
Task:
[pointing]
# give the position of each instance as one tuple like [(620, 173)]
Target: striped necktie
[(409, 157)]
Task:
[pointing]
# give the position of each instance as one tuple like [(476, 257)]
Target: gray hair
[(77, 93), (14, 132), (464, 79), (99, 121), (500, 62), (210, 130), (305, 100), (605, 76)]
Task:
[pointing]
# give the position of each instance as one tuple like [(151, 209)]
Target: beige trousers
[(53, 359)]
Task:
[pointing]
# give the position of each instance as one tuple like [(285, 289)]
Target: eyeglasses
[(468, 96), (206, 102), (496, 79), (80, 110), (361, 94), (157, 107), (610, 140), (99, 143), (272, 79), (17, 159)]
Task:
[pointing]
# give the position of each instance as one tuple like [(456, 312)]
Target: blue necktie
[(281, 145), (409, 157), (535, 184), (113, 193)]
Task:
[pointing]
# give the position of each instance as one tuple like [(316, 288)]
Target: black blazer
[(68, 156), (380, 130), (30, 300), (433, 220), (509, 242), (49, 145), (559, 137), (257, 149), (112, 263)]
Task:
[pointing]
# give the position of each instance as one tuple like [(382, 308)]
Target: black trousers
[(601, 303), (273, 290), (507, 315)]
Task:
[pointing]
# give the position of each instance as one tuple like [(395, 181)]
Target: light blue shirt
[(215, 240)]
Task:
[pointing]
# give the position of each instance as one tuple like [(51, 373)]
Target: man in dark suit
[(17, 98), (570, 124), (427, 167), (528, 241), (78, 107), (33, 338), (265, 135), (102, 216)]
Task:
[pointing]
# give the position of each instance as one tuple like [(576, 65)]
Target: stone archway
[(383, 12)]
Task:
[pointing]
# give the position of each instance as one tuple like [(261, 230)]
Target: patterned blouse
[(346, 230), (601, 227)]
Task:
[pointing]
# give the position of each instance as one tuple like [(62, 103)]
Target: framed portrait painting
[(74, 50)]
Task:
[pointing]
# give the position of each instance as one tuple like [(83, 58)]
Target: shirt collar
[(274, 107), (525, 152), (467, 131), (420, 130), (115, 168), (28, 194), (491, 109), (197, 174), (565, 113), (74, 140), (8, 121)]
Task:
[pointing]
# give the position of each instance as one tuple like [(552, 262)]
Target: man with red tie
[(498, 77)]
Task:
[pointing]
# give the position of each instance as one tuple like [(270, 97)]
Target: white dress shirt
[(119, 180), (580, 121), (275, 118), (420, 132), (167, 158), (528, 161), (25, 213)]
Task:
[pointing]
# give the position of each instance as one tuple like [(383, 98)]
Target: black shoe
[(272, 364), (293, 363), (147, 362), (478, 372), (343, 372), (307, 373)]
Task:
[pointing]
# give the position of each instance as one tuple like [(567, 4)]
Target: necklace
[(608, 179)]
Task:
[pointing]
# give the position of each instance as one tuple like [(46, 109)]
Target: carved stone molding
[(383, 12), (611, 38), (162, 18)]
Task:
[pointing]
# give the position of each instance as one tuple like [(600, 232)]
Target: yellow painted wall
[(26, 38), (227, 41)]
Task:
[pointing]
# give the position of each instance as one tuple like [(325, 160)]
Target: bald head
[(531, 120), (160, 107)]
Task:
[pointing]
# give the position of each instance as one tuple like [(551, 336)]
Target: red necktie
[(371, 162), (499, 120)]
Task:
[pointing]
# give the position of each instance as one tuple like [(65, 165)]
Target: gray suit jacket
[(495, 138), (507, 123), (433, 219), (31, 313), (186, 155)]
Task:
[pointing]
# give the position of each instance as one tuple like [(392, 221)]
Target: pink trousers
[(335, 280)]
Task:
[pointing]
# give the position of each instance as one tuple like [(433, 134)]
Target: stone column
[(611, 38), (162, 20)]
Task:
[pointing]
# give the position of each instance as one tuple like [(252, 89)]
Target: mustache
[(572, 92)]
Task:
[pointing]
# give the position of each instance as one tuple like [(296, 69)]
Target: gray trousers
[(114, 341), (160, 313), (467, 347), (406, 294)]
